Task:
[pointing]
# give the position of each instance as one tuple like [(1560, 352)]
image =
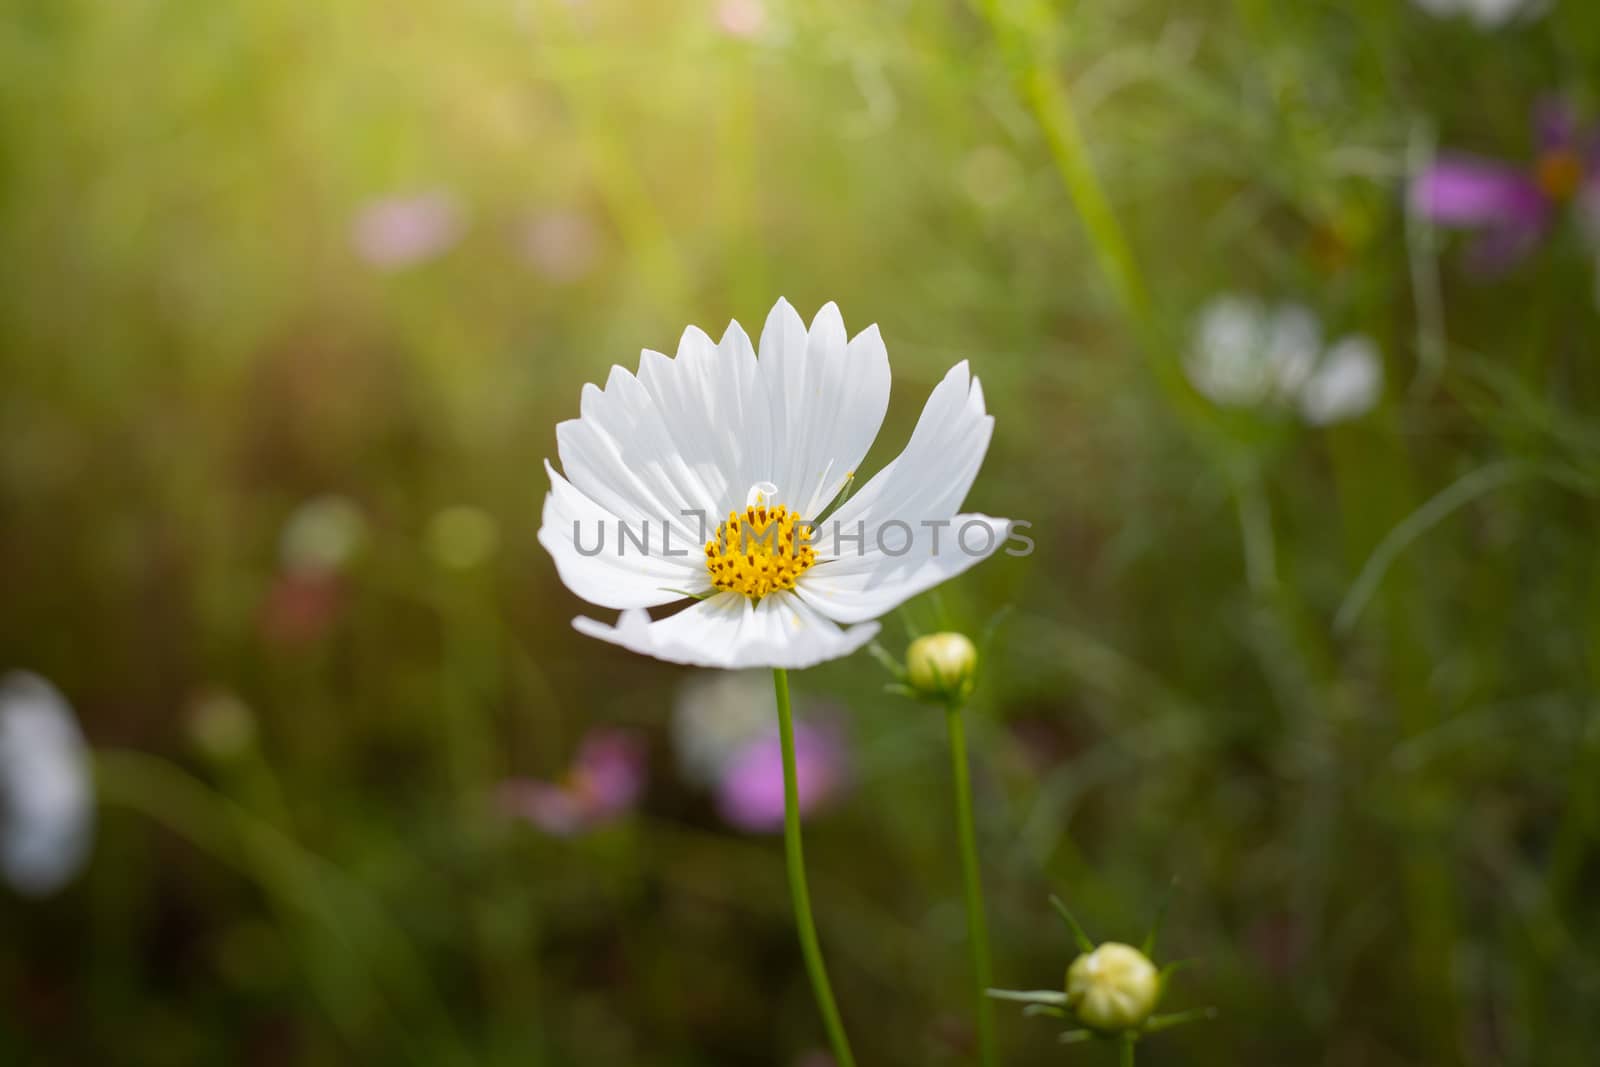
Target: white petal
[(681, 437), (620, 453), (610, 570), (856, 587), (728, 631), (1492, 13), (1346, 385), (1294, 337), (1222, 363), (46, 792), (667, 453), (931, 477), (714, 408), (826, 400)]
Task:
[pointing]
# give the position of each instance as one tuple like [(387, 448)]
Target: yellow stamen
[(762, 551)]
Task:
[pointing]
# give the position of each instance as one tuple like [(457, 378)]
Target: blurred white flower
[(1486, 13), (1345, 385), (724, 734), (321, 535), (46, 790), (402, 231), (714, 716), (1246, 354)]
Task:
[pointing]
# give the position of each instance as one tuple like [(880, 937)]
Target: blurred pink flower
[(750, 793), (604, 783), (301, 608), (1512, 206), (402, 231), (742, 18), (562, 245)]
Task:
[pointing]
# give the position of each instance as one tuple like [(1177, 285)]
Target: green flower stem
[(1027, 36), (977, 925), (1128, 1041), (798, 891)]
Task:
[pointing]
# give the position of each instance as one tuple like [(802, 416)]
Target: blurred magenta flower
[(750, 794), (724, 734), (46, 790), (395, 232), (603, 784), (1513, 206)]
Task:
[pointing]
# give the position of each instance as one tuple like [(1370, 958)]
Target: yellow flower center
[(759, 551), (1560, 173)]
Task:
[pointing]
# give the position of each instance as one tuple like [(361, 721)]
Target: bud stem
[(977, 925), (1127, 1049), (798, 891)]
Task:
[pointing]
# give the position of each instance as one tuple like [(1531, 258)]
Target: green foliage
[(1342, 681)]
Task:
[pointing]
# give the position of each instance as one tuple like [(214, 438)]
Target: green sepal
[(1082, 939)]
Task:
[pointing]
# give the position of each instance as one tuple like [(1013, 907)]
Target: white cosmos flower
[(46, 798), (719, 456), (1346, 383), (1247, 354)]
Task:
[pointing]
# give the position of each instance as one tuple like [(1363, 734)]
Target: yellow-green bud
[(221, 726), (1113, 988), (942, 666)]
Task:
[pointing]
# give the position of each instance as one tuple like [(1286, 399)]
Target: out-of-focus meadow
[(292, 297)]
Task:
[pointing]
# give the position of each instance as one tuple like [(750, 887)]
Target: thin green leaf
[(1082, 939), (1029, 996), (1149, 948), (1157, 1023), (887, 660)]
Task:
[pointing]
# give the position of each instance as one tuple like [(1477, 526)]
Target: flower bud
[(942, 666), (220, 725), (1113, 988), (322, 535)]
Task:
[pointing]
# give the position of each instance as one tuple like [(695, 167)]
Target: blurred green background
[(255, 253)]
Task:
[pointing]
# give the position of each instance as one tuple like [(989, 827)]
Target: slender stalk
[(1127, 1050), (977, 924), (1026, 37), (798, 891)]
